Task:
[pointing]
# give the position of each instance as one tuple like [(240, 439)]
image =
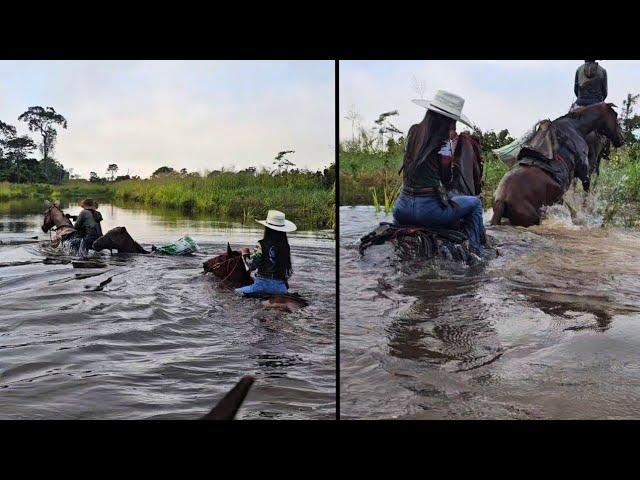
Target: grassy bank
[(231, 195), (71, 189), (305, 198), (365, 178)]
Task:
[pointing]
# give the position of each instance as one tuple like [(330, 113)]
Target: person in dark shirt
[(426, 170), (590, 84), (271, 258), (87, 225)]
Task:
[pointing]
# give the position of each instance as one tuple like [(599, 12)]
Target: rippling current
[(160, 339), (549, 329)]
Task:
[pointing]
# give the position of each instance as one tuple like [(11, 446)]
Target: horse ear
[(612, 105), (229, 251), (57, 203)]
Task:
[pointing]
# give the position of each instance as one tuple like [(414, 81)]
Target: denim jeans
[(264, 285), (427, 212)]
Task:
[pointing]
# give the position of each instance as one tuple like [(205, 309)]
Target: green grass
[(303, 197), (241, 196), (72, 189)]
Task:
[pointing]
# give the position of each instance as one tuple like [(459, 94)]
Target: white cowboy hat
[(447, 104), (276, 221)]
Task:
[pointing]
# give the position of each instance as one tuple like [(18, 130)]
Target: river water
[(550, 329), (161, 340)]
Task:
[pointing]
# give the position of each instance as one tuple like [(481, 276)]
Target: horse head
[(229, 266), (467, 166), (54, 217), (610, 126)]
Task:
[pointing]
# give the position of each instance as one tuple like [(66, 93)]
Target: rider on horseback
[(590, 85), (88, 225), (271, 257), (427, 169)]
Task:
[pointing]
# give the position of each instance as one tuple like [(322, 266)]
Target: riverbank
[(372, 179), (307, 199)]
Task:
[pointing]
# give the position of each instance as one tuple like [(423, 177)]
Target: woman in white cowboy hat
[(427, 169), (271, 256)]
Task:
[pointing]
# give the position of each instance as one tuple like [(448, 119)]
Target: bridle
[(220, 264)]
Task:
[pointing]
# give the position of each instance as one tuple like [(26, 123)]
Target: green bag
[(182, 246)]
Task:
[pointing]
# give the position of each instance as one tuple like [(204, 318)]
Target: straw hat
[(447, 104), (89, 204), (276, 221)]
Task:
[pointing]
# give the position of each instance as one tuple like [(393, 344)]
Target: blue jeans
[(264, 285), (427, 212), (583, 102)]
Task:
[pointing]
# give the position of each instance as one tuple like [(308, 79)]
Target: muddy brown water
[(550, 329), (160, 339)]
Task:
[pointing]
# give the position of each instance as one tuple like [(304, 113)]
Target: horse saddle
[(389, 231)]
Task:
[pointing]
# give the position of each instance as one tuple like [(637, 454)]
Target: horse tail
[(499, 207)]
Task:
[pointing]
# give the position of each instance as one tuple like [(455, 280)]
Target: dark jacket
[(590, 84), (264, 259), (88, 223), (426, 175)]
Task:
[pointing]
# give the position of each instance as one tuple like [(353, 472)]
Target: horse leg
[(499, 207)]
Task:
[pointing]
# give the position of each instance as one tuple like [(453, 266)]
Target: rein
[(218, 265)]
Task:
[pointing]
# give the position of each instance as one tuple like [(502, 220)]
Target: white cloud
[(197, 115), (499, 94)]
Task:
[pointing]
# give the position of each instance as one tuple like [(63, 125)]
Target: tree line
[(384, 138), (17, 161)]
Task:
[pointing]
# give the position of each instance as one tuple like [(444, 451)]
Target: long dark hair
[(425, 139), (274, 238)]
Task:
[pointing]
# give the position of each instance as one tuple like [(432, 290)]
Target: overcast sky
[(498, 94), (192, 114)]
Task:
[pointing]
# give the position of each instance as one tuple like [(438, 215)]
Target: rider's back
[(590, 84)]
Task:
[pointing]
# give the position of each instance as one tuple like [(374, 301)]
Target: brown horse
[(56, 221), (229, 267), (467, 165), (118, 239), (598, 149), (525, 189)]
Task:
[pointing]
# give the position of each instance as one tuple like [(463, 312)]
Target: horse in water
[(229, 267), (415, 241), (118, 239), (548, 164), (56, 221), (65, 234)]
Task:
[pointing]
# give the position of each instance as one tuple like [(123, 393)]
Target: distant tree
[(19, 148), (385, 127), (354, 117), (44, 121), (120, 178), (281, 162), (183, 172), (112, 169), (418, 85), (490, 140), (93, 177), (162, 171), (629, 121)]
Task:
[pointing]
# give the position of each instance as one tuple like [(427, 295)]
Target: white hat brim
[(287, 227), (427, 104)]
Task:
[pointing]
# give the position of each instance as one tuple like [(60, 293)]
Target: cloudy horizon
[(198, 115), (498, 94)]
